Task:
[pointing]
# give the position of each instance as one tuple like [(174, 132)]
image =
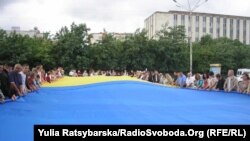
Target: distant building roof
[(202, 13), (32, 33)]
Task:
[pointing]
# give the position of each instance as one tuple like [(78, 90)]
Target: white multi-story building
[(97, 37), (233, 27), (31, 33)]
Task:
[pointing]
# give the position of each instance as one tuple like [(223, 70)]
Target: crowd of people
[(53, 75), (91, 72), (20, 80), (206, 81)]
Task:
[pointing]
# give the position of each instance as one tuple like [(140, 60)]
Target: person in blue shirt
[(181, 80)]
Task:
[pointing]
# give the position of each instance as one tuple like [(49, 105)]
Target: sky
[(112, 15)]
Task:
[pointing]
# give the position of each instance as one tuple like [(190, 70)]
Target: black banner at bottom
[(92, 132)]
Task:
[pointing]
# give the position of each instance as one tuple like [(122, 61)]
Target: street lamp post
[(190, 9), (190, 41)]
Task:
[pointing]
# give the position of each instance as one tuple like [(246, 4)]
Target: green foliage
[(106, 54), (70, 47), (231, 54), (172, 49), (24, 49), (167, 52)]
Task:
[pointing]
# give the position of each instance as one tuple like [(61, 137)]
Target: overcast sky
[(113, 15)]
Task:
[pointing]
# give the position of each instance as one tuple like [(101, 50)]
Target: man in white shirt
[(190, 80), (231, 83)]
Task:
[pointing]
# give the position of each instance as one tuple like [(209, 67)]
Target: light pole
[(190, 8)]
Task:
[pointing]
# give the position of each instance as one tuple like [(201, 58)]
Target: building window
[(183, 20), (197, 30), (231, 28), (244, 31), (204, 30), (218, 27), (197, 19), (197, 25), (189, 20), (224, 27), (211, 25), (151, 26), (218, 33), (211, 30), (204, 24), (238, 29), (175, 20)]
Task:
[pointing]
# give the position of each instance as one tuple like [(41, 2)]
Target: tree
[(134, 55), (16, 48), (167, 52), (173, 55), (206, 40), (70, 47), (231, 54)]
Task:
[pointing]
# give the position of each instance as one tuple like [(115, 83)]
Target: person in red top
[(205, 81)]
